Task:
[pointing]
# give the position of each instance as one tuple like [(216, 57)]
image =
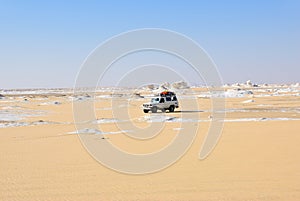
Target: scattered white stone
[(8, 124), (261, 119), (95, 131), (86, 131), (180, 85), (248, 101), (249, 83), (165, 86), (51, 103), (177, 129)]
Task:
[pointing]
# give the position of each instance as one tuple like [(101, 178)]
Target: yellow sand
[(254, 160)]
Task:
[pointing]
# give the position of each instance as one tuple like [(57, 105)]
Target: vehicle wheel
[(154, 110), (146, 111), (171, 108)]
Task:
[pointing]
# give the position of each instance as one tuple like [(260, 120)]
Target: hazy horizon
[(43, 44)]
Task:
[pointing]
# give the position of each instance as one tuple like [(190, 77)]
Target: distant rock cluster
[(249, 84), (180, 85), (167, 86)]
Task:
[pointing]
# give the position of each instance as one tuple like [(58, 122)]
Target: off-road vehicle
[(165, 101)]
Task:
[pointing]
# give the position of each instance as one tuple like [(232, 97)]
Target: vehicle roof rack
[(167, 93)]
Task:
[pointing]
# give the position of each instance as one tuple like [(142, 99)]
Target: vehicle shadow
[(188, 111)]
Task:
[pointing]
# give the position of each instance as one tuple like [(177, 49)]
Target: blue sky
[(43, 43)]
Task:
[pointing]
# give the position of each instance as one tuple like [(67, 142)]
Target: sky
[(44, 43)]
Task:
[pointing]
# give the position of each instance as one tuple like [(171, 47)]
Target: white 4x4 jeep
[(166, 101)]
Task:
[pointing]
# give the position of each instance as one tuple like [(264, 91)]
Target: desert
[(256, 158)]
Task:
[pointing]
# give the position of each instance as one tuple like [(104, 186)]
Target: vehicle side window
[(168, 98), (174, 98), (162, 100)]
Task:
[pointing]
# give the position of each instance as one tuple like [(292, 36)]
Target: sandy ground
[(257, 158)]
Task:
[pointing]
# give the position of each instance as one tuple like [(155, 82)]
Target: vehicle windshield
[(154, 100)]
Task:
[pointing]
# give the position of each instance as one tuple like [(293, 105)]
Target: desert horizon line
[(255, 84)]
